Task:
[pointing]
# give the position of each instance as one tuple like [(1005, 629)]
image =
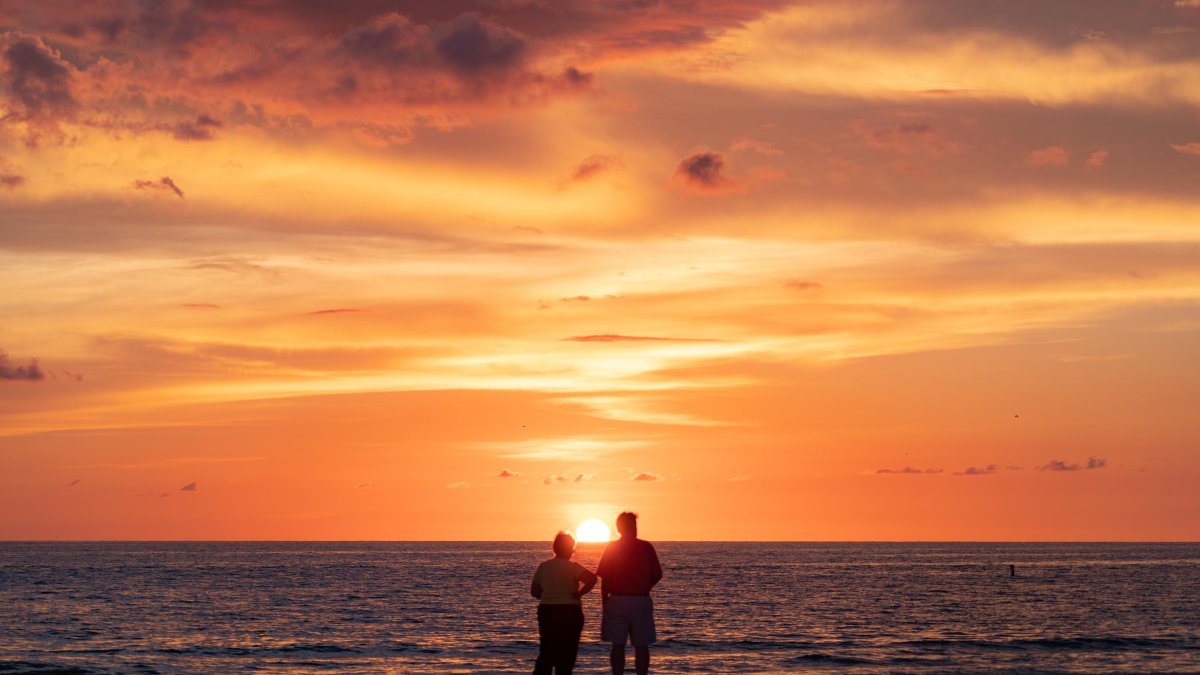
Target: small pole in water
[(1012, 570)]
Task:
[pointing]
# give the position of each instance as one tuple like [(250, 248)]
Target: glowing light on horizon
[(591, 530)]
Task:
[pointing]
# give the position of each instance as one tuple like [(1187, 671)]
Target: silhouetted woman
[(559, 584)]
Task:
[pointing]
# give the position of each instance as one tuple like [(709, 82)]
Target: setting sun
[(591, 530)]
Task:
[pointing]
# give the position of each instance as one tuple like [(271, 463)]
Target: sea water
[(722, 607)]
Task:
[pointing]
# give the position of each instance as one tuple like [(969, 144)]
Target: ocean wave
[(820, 658), (1098, 643), (29, 667)]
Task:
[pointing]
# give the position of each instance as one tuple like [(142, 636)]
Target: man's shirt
[(629, 566)]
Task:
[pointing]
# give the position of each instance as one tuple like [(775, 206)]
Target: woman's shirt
[(559, 579)]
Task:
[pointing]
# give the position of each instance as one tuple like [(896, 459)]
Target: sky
[(483, 269)]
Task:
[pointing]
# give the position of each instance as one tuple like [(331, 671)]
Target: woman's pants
[(559, 627)]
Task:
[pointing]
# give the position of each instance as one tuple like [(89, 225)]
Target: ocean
[(405, 607)]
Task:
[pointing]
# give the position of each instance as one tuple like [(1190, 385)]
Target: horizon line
[(665, 541)]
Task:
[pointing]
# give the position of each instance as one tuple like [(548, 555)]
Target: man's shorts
[(628, 617)]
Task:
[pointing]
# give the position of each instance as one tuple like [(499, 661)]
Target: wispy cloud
[(505, 473), (646, 476), (458, 485), (610, 337), (1097, 159), (977, 471), (164, 183), (802, 285), (591, 167), (908, 470), (569, 449), (1187, 148), (1049, 156)]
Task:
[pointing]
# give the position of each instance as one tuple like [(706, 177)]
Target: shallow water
[(722, 607)]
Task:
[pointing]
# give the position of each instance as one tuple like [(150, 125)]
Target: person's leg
[(641, 659), (574, 629), (561, 633), (545, 643), (617, 658)]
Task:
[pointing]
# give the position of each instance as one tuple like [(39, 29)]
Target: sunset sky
[(872, 270)]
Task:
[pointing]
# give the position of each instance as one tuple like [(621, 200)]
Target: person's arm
[(535, 588), (655, 567), (589, 582), (602, 572)]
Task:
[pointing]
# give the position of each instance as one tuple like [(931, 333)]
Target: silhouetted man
[(628, 570)]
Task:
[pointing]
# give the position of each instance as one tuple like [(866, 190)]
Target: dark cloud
[(908, 470), (1059, 465), (703, 171), (368, 62), (29, 372), (473, 46), (646, 476), (505, 473), (390, 40), (164, 183), (190, 487), (339, 310), (202, 128), (37, 81), (467, 45), (609, 337), (977, 471), (575, 77), (11, 180)]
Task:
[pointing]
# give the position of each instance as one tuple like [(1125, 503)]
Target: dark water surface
[(723, 607)]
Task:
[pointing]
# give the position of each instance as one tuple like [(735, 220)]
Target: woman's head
[(564, 544)]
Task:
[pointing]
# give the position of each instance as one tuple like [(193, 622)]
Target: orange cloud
[(1049, 156)]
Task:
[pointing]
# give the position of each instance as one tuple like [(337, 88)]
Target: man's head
[(564, 545), (627, 524)]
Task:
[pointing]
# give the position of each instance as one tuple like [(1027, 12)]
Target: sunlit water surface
[(722, 607)]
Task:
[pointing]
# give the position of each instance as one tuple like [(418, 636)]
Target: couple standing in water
[(628, 569)]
